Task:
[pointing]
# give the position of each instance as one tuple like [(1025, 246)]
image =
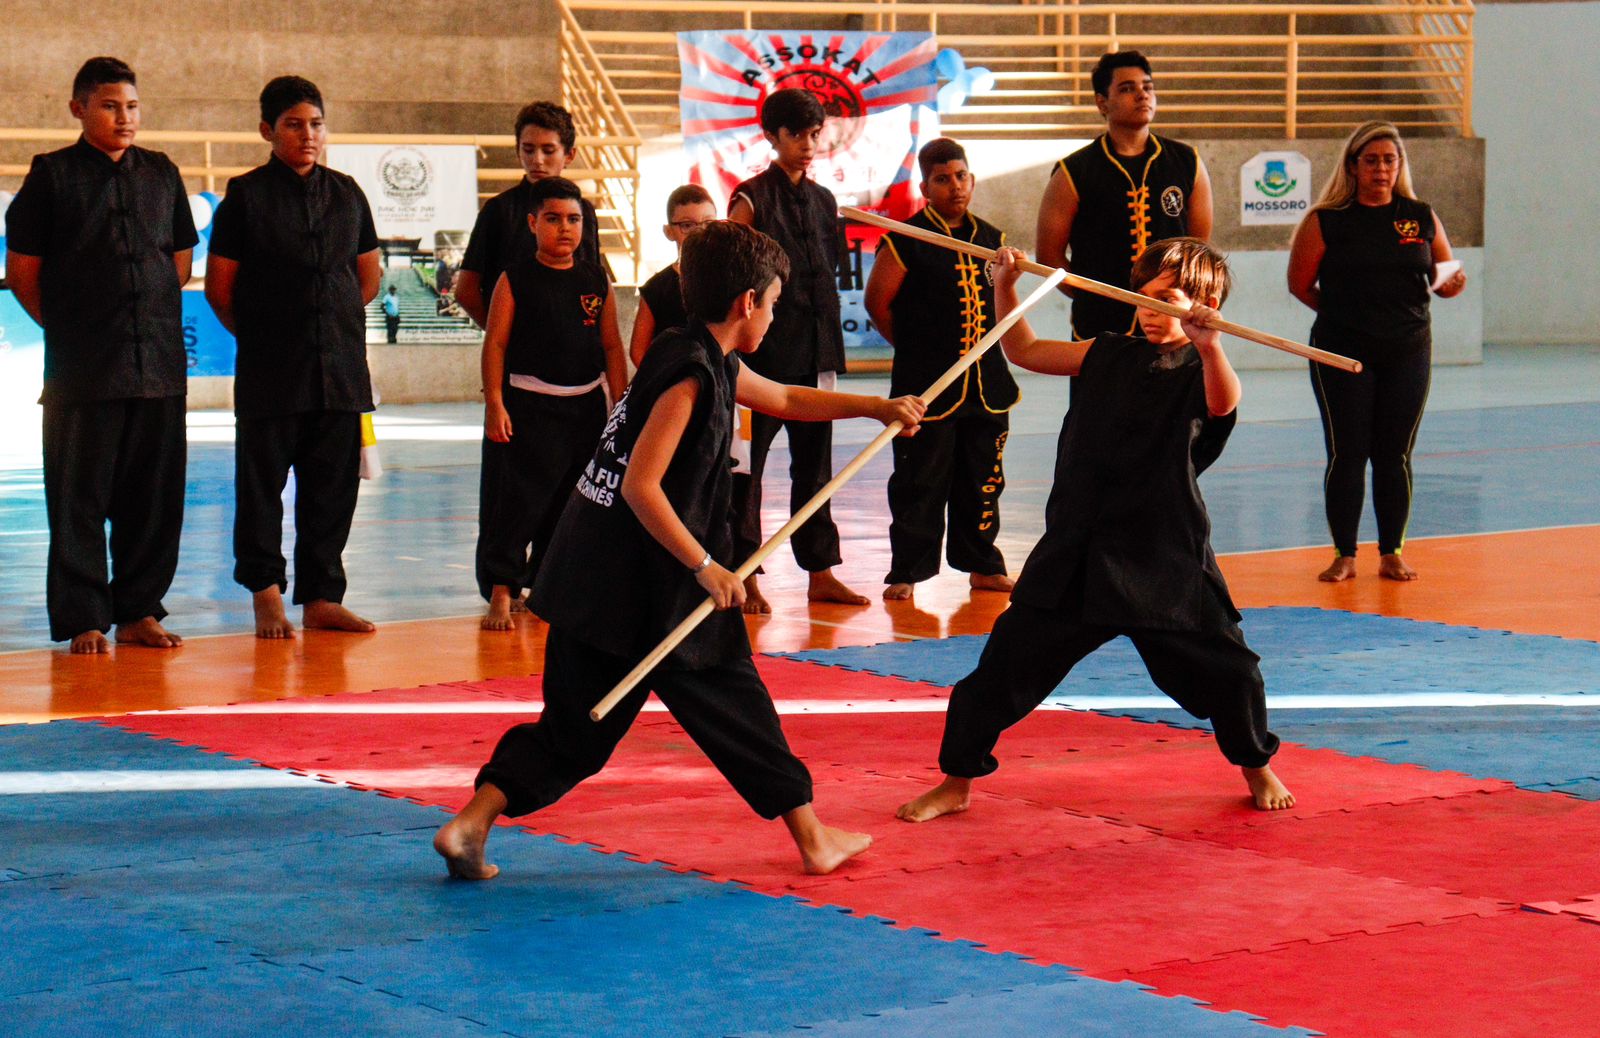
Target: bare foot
[(498, 615), (755, 603), (89, 643), (991, 582), (822, 847), (1393, 567), (1268, 793), (331, 616), (147, 632), (950, 797), (271, 620), (462, 839), (461, 844), (1343, 568), (825, 587), (897, 592)]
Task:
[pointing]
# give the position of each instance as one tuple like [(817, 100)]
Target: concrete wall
[(1533, 103)]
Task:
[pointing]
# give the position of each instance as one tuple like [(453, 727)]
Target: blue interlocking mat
[(1317, 652)]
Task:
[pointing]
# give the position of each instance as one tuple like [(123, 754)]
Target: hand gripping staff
[(1122, 295), (704, 609)]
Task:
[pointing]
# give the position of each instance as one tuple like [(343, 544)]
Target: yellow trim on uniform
[(1062, 165), (1138, 198), (888, 239)]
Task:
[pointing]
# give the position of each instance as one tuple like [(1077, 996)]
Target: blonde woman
[(1365, 259)]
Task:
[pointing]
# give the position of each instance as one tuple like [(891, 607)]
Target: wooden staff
[(1122, 295), (890, 431)]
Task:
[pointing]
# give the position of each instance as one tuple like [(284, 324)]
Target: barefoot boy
[(638, 548), (933, 305), (293, 265), (661, 298), (1126, 548), (550, 354), (98, 249), (806, 347), (547, 143)]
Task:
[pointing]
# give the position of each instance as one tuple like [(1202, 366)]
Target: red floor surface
[(1122, 848)]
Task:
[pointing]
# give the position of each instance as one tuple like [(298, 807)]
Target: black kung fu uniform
[(1375, 282), (554, 391), (611, 592), (115, 376), (1126, 551), (1124, 203), (806, 340), (956, 460), (663, 293), (501, 238), (300, 379)]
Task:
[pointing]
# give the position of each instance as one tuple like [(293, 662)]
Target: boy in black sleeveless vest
[(806, 345), (551, 354), (643, 540), (689, 208), (98, 249), (547, 142), (293, 265), (1127, 188), (1126, 548), (933, 305)]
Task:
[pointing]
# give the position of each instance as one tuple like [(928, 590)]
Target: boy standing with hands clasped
[(293, 265), (99, 240), (644, 539), (806, 345), (933, 305), (1126, 548), (552, 356)]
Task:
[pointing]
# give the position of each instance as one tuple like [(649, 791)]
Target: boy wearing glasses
[(661, 298)]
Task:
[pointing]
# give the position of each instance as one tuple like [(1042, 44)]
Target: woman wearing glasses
[(1365, 259)]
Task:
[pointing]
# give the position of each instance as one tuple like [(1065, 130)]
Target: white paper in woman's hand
[(1444, 272)]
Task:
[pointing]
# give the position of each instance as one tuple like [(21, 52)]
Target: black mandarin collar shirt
[(298, 312), (106, 232)]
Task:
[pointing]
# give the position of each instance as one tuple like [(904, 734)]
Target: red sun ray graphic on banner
[(878, 90)]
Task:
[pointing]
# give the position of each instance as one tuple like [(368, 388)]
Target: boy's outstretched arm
[(1222, 383), (641, 489), (1022, 347), (805, 404)]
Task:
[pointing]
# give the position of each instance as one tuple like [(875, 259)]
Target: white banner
[(414, 190), (1274, 187)]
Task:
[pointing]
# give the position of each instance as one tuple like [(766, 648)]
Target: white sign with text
[(1274, 188), (414, 190)]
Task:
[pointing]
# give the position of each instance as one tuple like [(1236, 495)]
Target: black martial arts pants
[(1210, 673), (323, 448), (816, 543), (1372, 416), (725, 709), (954, 464), (523, 485), (122, 461)]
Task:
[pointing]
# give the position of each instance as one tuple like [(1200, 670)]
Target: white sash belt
[(539, 385)]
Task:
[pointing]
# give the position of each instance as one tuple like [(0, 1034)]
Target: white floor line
[(923, 705), (13, 783)]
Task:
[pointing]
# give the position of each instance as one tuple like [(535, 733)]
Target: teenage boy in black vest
[(806, 345), (99, 239), (644, 539), (1110, 199), (293, 265), (933, 305)]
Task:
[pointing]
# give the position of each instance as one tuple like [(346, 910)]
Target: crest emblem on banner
[(406, 174)]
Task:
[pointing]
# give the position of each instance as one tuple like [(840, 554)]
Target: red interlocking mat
[(1517, 975), (1509, 844)]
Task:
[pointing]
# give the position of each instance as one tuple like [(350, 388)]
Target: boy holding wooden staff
[(1126, 548), (934, 305), (637, 549)]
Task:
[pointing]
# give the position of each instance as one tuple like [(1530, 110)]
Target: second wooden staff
[(883, 439), (1122, 295)]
